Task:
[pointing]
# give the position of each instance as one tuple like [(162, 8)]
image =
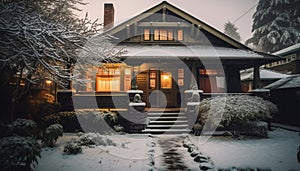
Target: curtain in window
[(108, 84)]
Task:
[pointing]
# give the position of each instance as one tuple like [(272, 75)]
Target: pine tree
[(276, 25), (231, 30)]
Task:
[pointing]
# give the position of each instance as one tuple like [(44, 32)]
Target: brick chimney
[(109, 14)]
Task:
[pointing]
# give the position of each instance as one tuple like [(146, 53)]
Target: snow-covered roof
[(189, 51), (288, 50), (288, 82), (265, 74)]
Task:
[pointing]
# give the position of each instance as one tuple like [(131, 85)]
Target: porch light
[(48, 82)]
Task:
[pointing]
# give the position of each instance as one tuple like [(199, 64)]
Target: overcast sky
[(213, 12)]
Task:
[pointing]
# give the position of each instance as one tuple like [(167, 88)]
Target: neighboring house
[(166, 48), (291, 62), (285, 93), (266, 77)]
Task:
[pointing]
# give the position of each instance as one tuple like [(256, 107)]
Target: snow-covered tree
[(276, 25), (231, 30), (41, 39)]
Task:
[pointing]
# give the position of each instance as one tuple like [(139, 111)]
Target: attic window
[(180, 34), (163, 34), (147, 34)]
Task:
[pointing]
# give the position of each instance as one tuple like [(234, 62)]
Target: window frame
[(162, 34)]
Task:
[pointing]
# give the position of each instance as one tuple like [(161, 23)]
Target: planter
[(140, 107), (188, 94), (191, 107), (192, 113), (132, 93)]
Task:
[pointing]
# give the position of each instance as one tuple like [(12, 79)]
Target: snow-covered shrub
[(97, 121), (86, 139), (24, 127), (72, 148), (118, 128), (52, 133), (94, 139), (197, 129), (92, 121), (234, 112), (18, 151), (110, 117)]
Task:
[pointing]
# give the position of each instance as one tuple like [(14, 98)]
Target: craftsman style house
[(168, 51)]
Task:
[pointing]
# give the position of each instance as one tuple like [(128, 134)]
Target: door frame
[(170, 95)]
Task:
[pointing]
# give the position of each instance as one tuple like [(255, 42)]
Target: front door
[(162, 87)]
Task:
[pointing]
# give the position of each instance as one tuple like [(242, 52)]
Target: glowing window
[(147, 34), (127, 79), (156, 34), (108, 79), (108, 84), (180, 34), (163, 34), (166, 80), (170, 34)]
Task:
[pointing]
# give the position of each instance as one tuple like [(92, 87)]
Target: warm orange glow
[(147, 34), (180, 35), (166, 77), (48, 82), (166, 80), (209, 72), (156, 34)]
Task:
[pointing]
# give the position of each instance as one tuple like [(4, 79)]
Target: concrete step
[(181, 126), (166, 131), (165, 114), (168, 118), (168, 122)]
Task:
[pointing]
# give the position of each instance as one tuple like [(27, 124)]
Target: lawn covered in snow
[(134, 151), (278, 152)]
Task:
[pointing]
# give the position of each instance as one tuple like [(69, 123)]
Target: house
[(266, 77), (291, 62), (168, 51), (285, 93)]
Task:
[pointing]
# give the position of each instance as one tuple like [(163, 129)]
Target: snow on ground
[(129, 154), (134, 151), (278, 152)]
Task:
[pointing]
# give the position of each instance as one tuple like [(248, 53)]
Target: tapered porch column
[(256, 78)]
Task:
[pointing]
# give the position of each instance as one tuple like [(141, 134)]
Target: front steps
[(167, 123)]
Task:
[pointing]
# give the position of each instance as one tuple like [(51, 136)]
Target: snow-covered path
[(172, 154)]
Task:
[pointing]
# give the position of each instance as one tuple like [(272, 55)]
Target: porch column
[(193, 82), (256, 78)]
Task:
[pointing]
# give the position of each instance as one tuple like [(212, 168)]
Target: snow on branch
[(46, 46)]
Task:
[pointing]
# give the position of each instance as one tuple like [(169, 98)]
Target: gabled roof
[(184, 15), (288, 50), (288, 82), (265, 74)]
